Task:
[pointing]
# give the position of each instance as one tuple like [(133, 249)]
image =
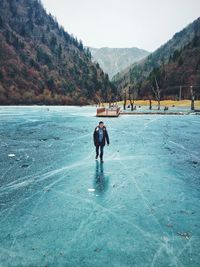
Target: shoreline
[(163, 103)]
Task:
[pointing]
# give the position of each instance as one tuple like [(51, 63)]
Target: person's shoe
[(101, 160), (96, 157)]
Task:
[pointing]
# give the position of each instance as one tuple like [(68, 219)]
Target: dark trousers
[(101, 150)]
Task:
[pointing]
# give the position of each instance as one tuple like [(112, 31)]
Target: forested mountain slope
[(40, 63)]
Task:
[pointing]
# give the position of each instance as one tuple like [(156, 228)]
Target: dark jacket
[(96, 136)]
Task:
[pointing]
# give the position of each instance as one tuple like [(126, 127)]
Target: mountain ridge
[(138, 74), (113, 60)]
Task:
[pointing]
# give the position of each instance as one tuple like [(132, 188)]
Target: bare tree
[(192, 97), (130, 98), (124, 99), (99, 100), (157, 92), (150, 104)]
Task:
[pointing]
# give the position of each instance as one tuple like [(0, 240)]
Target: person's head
[(101, 124)]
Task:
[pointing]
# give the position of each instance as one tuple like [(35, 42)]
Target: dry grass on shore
[(168, 103)]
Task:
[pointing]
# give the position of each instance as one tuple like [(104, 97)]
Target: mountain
[(174, 64), (114, 60), (40, 63)]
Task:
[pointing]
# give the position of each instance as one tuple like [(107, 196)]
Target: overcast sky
[(145, 24)]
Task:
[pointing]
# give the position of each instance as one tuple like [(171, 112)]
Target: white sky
[(144, 24)]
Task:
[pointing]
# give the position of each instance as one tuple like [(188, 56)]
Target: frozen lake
[(60, 207)]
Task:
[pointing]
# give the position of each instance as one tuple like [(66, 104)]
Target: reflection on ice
[(60, 207), (100, 180)]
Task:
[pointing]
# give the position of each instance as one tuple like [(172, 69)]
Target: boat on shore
[(108, 112)]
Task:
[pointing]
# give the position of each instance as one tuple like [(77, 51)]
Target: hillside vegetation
[(40, 63), (175, 64)]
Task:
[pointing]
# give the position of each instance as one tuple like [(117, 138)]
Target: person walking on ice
[(100, 137)]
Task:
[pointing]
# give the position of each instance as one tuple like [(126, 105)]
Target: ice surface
[(143, 209)]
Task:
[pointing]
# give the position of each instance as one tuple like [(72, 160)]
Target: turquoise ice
[(60, 207)]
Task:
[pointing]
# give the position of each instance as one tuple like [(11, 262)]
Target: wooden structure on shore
[(108, 112)]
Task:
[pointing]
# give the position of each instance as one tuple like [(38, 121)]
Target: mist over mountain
[(114, 60)]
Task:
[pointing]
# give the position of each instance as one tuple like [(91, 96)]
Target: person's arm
[(94, 135), (107, 138)]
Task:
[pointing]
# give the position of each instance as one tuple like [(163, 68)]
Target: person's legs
[(97, 151), (101, 152)]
